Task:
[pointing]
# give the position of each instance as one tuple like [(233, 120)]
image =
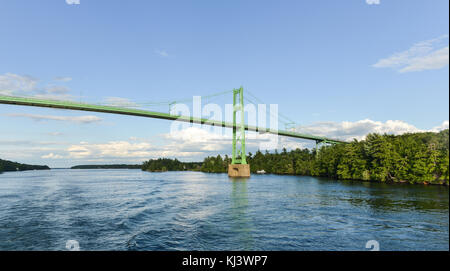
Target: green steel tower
[(239, 156), (239, 166)]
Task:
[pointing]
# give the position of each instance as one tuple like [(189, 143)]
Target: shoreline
[(353, 180), (444, 184)]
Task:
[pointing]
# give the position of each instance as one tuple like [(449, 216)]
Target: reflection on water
[(239, 213), (397, 197), (135, 210)]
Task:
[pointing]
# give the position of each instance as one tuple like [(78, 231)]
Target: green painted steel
[(151, 114), (321, 143), (238, 93), (318, 148)]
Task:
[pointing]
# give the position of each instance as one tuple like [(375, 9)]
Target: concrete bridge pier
[(239, 170)]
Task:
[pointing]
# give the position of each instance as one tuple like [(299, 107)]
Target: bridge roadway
[(151, 114)]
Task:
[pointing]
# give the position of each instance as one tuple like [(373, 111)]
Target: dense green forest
[(121, 166), (164, 164), (6, 165), (413, 158)]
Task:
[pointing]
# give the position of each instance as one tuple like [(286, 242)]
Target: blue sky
[(338, 68)]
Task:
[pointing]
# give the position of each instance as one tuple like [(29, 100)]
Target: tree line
[(6, 165), (165, 164), (413, 158), (118, 166)]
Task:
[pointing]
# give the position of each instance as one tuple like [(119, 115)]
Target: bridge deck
[(149, 114)]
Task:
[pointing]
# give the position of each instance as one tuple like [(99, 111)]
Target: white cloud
[(373, 2), (53, 92), (23, 85), (32, 152), (161, 53), (121, 102), (73, 2), (63, 78), (16, 143), (435, 60), (426, 55), (79, 151), (121, 150), (191, 144), (77, 119), (204, 142), (55, 133), (52, 156), (441, 127), (50, 96), (194, 138), (57, 89), (194, 143), (13, 84), (347, 130)]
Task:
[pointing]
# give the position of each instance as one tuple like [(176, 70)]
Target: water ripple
[(134, 210)]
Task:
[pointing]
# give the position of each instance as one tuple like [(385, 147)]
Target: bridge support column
[(239, 166), (239, 171)]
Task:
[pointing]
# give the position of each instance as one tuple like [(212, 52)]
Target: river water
[(135, 210)]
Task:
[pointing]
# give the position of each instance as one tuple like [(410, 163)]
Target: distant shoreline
[(10, 166), (115, 166)]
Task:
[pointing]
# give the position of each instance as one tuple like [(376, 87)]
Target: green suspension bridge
[(239, 162)]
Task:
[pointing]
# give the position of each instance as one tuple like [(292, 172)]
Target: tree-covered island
[(412, 158), (6, 165), (115, 166)]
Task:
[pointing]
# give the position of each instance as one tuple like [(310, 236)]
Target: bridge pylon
[(321, 143), (238, 167)]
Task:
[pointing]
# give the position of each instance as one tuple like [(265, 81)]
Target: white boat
[(261, 172)]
